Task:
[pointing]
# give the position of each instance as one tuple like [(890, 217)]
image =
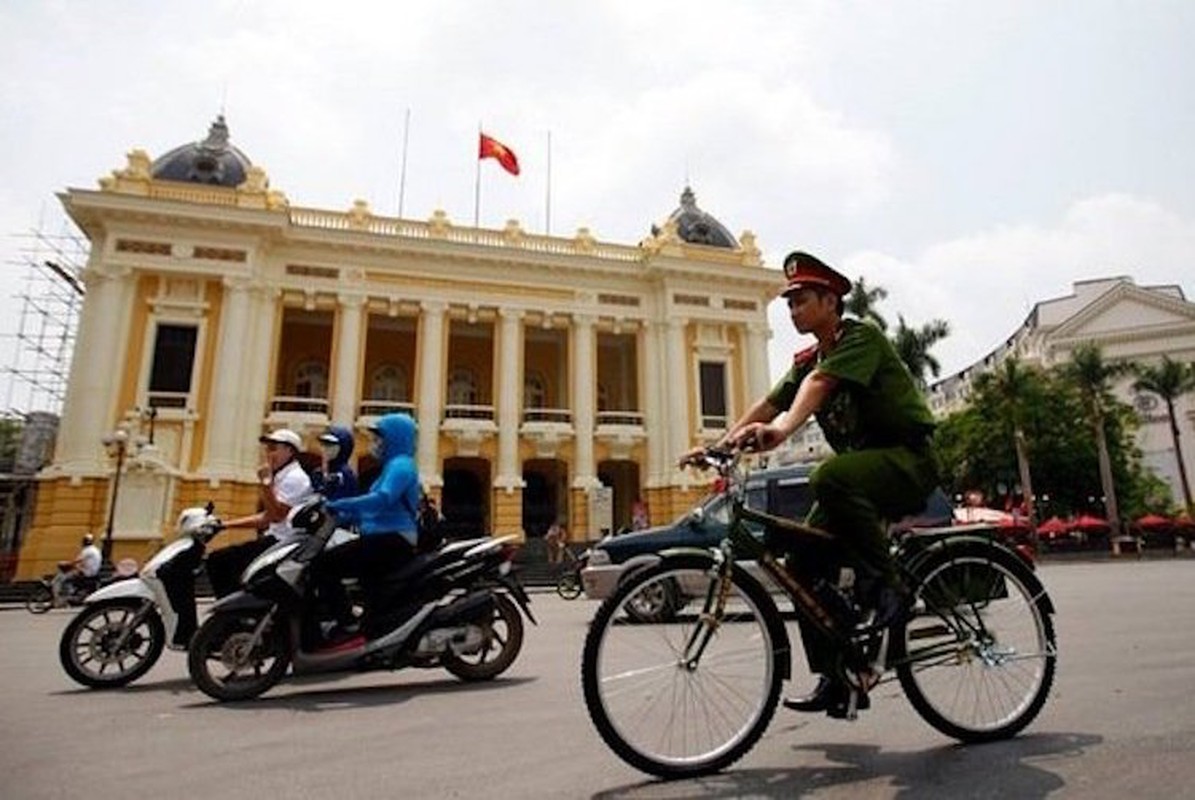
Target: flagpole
[(548, 198), (477, 183), (402, 179)]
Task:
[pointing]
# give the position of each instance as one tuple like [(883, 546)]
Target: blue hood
[(397, 432), (344, 438)]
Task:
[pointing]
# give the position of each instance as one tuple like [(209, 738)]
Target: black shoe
[(829, 696), (817, 700)]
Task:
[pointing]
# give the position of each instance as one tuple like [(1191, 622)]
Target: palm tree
[(1093, 376), (1169, 381), (861, 302), (1012, 384), (913, 345)]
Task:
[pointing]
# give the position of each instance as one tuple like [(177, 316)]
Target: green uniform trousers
[(855, 493)]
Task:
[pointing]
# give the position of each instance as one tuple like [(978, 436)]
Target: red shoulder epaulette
[(804, 358)]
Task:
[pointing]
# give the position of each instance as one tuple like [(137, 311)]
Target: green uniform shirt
[(876, 402)]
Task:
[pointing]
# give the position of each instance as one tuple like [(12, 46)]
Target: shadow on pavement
[(999, 769), (332, 699)]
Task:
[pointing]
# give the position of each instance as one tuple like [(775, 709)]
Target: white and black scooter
[(120, 633), (453, 608)]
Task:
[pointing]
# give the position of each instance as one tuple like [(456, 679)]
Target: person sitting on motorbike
[(282, 484), (82, 572), (336, 478), (385, 515), (879, 426)]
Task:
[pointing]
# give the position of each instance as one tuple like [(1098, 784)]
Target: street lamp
[(118, 442)]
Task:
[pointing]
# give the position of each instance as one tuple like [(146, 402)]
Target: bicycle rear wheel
[(672, 709), (978, 656)]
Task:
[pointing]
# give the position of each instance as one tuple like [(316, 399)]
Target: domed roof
[(212, 161), (697, 227)]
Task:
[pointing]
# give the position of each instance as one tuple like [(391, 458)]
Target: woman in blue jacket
[(385, 515)]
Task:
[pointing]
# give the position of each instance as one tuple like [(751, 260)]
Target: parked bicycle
[(568, 583), (689, 695)]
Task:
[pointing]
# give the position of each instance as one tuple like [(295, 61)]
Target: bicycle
[(974, 651), (568, 584)]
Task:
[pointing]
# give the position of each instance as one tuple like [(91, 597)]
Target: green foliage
[(913, 346), (862, 300), (976, 447)]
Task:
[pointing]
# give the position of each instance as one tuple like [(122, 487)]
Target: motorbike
[(568, 584), (124, 626), (457, 607), (40, 598)]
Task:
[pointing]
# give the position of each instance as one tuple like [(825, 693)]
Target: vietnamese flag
[(492, 148)]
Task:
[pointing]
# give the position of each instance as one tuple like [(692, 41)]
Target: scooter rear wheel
[(108, 645), (503, 639), (226, 662)]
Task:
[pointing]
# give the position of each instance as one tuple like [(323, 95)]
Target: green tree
[(1011, 388), (862, 300), (913, 346), (1170, 380), (1093, 377)]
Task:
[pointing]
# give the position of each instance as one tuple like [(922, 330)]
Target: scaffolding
[(38, 352)]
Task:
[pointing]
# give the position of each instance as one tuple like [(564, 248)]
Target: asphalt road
[(1120, 722)]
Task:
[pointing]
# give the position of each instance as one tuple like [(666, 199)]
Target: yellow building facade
[(552, 378)]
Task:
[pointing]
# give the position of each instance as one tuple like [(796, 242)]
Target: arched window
[(462, 388), (311, 379), (535, 391), (603, 398), (389, 383)]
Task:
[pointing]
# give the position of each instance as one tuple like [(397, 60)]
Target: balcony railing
[(168, 399), (562, 415), (631, 418), (302, 405), (376, 408), (460, 411)]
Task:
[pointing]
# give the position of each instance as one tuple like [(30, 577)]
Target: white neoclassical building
[(1129, 323), (552, 378)]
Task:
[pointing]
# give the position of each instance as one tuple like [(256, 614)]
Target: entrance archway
[(465, 498), (623, 478), (545, 497)]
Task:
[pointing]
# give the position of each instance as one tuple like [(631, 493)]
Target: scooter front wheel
[(229, 661), (112, 643)]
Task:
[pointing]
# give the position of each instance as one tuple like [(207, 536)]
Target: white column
[(653, 410), (346, 382), (430, 394), (220, 458), (677, 398), (584, 401), (510, 374), (257, 379), (88, 408), (759, 379)]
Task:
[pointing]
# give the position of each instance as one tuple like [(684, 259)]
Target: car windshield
[(716, 508)]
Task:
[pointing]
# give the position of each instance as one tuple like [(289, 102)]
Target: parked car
[(783, 491)]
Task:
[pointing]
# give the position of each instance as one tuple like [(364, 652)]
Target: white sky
[(972, 158)]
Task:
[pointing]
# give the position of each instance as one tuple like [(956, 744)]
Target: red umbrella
[(1153, 521), (1052, 528), (1089, 521), (1052, 525)]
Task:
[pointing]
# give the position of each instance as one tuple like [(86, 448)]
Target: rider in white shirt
[(282, 485), (86, 565)]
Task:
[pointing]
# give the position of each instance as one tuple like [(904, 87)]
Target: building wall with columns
[(536, 367)]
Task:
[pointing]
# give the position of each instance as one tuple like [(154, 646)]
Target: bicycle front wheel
[(979, 652), (687, 695)]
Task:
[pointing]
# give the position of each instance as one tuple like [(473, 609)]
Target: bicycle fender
[(130, 587), (966, 540)]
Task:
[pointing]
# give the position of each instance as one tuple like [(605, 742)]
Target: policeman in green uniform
[(879, 426)]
